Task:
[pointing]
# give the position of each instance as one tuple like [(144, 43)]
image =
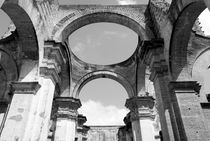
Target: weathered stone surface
[(37, 50)]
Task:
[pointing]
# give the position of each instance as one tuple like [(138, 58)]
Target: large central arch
[(131, 17)]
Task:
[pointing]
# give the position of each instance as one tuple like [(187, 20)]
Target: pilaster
[(191, 120), (152, 54), (142, 117), (20, 110), (65, 116), (50, 81)]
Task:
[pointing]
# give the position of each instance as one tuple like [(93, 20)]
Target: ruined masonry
[(40, 78)]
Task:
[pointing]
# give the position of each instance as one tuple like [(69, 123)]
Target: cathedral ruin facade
[(41, 79)]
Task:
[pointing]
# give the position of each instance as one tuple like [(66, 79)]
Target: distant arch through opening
[(103, 74), (103, 101)]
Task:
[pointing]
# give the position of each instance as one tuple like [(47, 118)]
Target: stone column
[(65, 114), (142, 117), (191, 120), (152, 54), (19, 111)]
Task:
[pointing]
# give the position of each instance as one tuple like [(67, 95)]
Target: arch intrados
[(103, 17), (181, 35), (8, 64), (24, 27), (102, 74)]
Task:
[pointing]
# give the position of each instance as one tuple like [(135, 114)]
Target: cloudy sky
[(103, 99)]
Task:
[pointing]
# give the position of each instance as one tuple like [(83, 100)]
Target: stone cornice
[(52, 61), (140, 102), (51, 73), (25, 87), (141, 115), (184, 86), (141, 107), (66, 107)]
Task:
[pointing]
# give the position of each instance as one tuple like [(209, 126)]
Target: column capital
[(66, 107), (184, 86), (141, 107), (24, 87)]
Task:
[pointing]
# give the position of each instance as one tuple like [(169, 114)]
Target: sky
[(101, 42), (104, 40)]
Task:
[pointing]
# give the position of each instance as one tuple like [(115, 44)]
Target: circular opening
[(103, 102), (103, 43)]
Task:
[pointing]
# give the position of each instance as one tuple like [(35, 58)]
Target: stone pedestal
[(20, 110), (142, 117), (65, 114), (188, 111)]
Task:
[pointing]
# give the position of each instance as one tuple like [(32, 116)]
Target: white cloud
[(78, 48), (203, 18), (126, 2), (99, 114), (114, 33)]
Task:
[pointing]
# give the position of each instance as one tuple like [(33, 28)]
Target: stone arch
[(178, 60), (25, 29), (25, 38), (95, 17), (102, 74)]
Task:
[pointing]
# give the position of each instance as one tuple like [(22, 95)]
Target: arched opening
[(106, 95), (103, 102), (103, 43)]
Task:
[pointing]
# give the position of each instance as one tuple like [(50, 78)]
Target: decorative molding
[(66, 107), (24, 87), (50, 73), (184, 86), (141, 107), (52, 61), (205, 105)]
